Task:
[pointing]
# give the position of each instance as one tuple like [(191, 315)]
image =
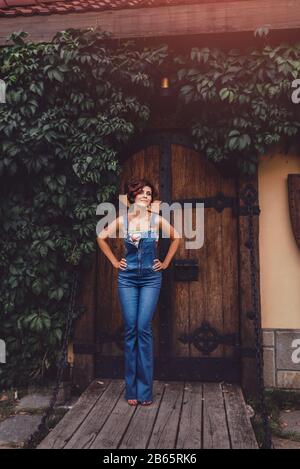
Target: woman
[(139, 283)]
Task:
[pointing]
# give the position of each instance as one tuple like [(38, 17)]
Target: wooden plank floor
[(184, 415)]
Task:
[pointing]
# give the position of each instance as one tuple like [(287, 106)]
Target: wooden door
[(196, 324)]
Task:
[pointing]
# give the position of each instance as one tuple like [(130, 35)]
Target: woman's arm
[(113, 227), (175, 237)]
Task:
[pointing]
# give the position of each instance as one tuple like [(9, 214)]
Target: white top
[(136, 235)]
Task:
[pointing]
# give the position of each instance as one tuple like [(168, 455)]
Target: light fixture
[(164, 86), (164, 82)]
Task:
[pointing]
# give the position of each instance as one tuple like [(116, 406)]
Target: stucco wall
[(279, 254)]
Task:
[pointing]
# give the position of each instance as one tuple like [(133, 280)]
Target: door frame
[(85, 347)]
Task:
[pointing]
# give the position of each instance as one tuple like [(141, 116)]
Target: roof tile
[(19, 3), (9, 8)]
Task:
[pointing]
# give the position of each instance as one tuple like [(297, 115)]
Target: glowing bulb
[(165, 82)]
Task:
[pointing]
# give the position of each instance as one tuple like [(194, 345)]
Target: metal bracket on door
[(219, 202), (206, 338)]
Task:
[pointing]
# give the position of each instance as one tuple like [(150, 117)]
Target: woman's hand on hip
[(158, 265), (122, 264)]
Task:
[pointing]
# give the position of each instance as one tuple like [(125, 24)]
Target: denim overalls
[(138, 288)]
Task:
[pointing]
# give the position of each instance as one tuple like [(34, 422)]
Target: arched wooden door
[(196, 324)]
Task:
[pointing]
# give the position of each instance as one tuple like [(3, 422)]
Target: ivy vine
[(71, 106), (239, 103)]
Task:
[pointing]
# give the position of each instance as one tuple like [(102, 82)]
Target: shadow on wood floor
[(184, 415)]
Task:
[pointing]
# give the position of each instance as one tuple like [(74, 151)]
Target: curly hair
[(135, 185)]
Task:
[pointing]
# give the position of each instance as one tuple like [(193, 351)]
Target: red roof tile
[(9, 8)]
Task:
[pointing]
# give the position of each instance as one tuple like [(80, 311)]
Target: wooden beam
[(204, 18), (247, 327)]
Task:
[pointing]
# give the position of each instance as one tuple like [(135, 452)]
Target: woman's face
[(144, 198)]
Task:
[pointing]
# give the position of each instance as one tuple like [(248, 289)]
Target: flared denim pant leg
[(138, 304)]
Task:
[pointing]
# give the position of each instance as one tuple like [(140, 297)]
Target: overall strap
[(125, 220), (153, 220)]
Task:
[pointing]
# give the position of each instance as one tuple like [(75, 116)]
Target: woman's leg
[(146, 308), (129, 299)]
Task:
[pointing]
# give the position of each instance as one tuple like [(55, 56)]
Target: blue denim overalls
[(138, 288)]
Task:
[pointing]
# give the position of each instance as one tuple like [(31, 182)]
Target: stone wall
[(281, 358)]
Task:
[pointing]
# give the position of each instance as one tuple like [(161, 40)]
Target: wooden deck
[(184, 415)]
